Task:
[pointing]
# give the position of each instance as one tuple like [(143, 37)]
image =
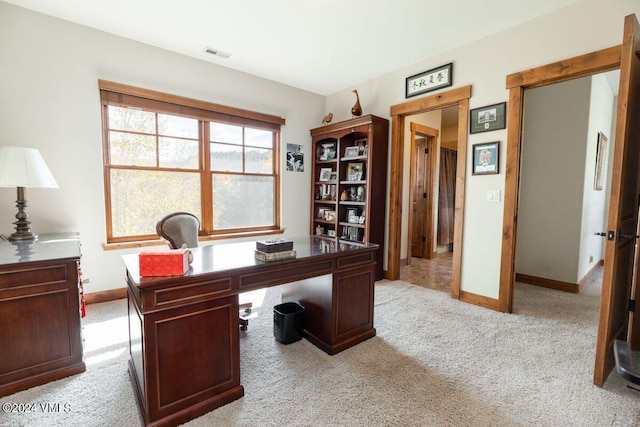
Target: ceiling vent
[(217, 52)]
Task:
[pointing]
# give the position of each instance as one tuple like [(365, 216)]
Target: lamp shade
[(24, 167)]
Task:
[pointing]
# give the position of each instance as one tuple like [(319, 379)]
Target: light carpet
[(434, 362)]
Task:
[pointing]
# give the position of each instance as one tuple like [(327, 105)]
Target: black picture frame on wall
[(427, 81), (486, 158), (488, 118)]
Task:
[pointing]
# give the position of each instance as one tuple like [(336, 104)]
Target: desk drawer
[(187, 293), (279, 273), (356, 260)]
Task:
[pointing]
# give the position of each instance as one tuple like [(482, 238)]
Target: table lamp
[(23, 167)]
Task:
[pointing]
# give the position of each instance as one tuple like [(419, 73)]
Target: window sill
[(146, 243)]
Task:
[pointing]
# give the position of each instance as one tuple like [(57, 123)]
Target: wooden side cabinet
[(40, 329), (349, 181)]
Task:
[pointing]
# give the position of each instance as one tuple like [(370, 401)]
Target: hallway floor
[(430, 273)]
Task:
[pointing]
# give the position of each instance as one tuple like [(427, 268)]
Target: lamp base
[(23, 231), (22, 236)]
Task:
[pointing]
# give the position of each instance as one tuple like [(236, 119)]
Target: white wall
[(449, 137), (594, 203), (49, 75), (559, 209), (584, 27), (554, 149)]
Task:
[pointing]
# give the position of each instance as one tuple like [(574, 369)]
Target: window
[(165, 154)]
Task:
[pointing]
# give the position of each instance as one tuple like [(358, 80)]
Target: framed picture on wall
[(601, 160), (486, 158), (433, 79), (485, 119)]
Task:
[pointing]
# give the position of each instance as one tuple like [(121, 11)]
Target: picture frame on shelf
[(325, 174), (355, 171), (362, 219), (352, 151), (488, 118), (362, 146), (352, 215), (328, 151), (330, 215), (321, 213), (486, 158), (333, 176), (427, 81)]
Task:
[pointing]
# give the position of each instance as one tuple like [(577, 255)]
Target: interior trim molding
[(105, 296), (457, 97), (181, 100), (590, 274), (568, 69), (558, 284), (479, 300), (543, 282)]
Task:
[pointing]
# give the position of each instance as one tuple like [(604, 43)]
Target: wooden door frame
[(569, 69), (456, 97), (430, 182)]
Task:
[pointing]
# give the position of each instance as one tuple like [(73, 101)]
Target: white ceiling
[(323, 46)]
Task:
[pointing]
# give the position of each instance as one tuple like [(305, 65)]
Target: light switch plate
[(493, 195)]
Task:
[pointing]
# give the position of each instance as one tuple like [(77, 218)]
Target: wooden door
[(419, 192), (427, 138), (623, 211)]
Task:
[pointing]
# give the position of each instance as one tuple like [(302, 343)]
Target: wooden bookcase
[(349, 181)]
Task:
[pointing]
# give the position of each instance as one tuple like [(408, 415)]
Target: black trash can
[(288, 322)]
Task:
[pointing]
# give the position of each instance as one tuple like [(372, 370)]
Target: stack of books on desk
[(274, 250)]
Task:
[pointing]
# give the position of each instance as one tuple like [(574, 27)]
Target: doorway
[(422, 190), (431, 188), (563, 203), (458, 98), (585, 65), (622, 216)]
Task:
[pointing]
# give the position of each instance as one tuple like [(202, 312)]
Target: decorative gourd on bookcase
[(349, 181)]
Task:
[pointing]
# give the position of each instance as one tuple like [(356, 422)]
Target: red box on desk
[(174, 262)]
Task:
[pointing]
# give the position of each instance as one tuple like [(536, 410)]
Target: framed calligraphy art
[(427, 81)]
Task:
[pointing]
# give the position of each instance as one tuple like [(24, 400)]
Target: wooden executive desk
[(183, 331)]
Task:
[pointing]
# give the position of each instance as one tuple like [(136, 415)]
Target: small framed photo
[(333, 176), (325, 174), (427, 81), (321, 213), (361, 219), (486, 158), (491, 117), (355, 171), (327, 151), (352, 215), (352, 151), (330, 215), (362, 146)]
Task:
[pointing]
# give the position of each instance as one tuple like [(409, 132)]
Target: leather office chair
[(180, 228)]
